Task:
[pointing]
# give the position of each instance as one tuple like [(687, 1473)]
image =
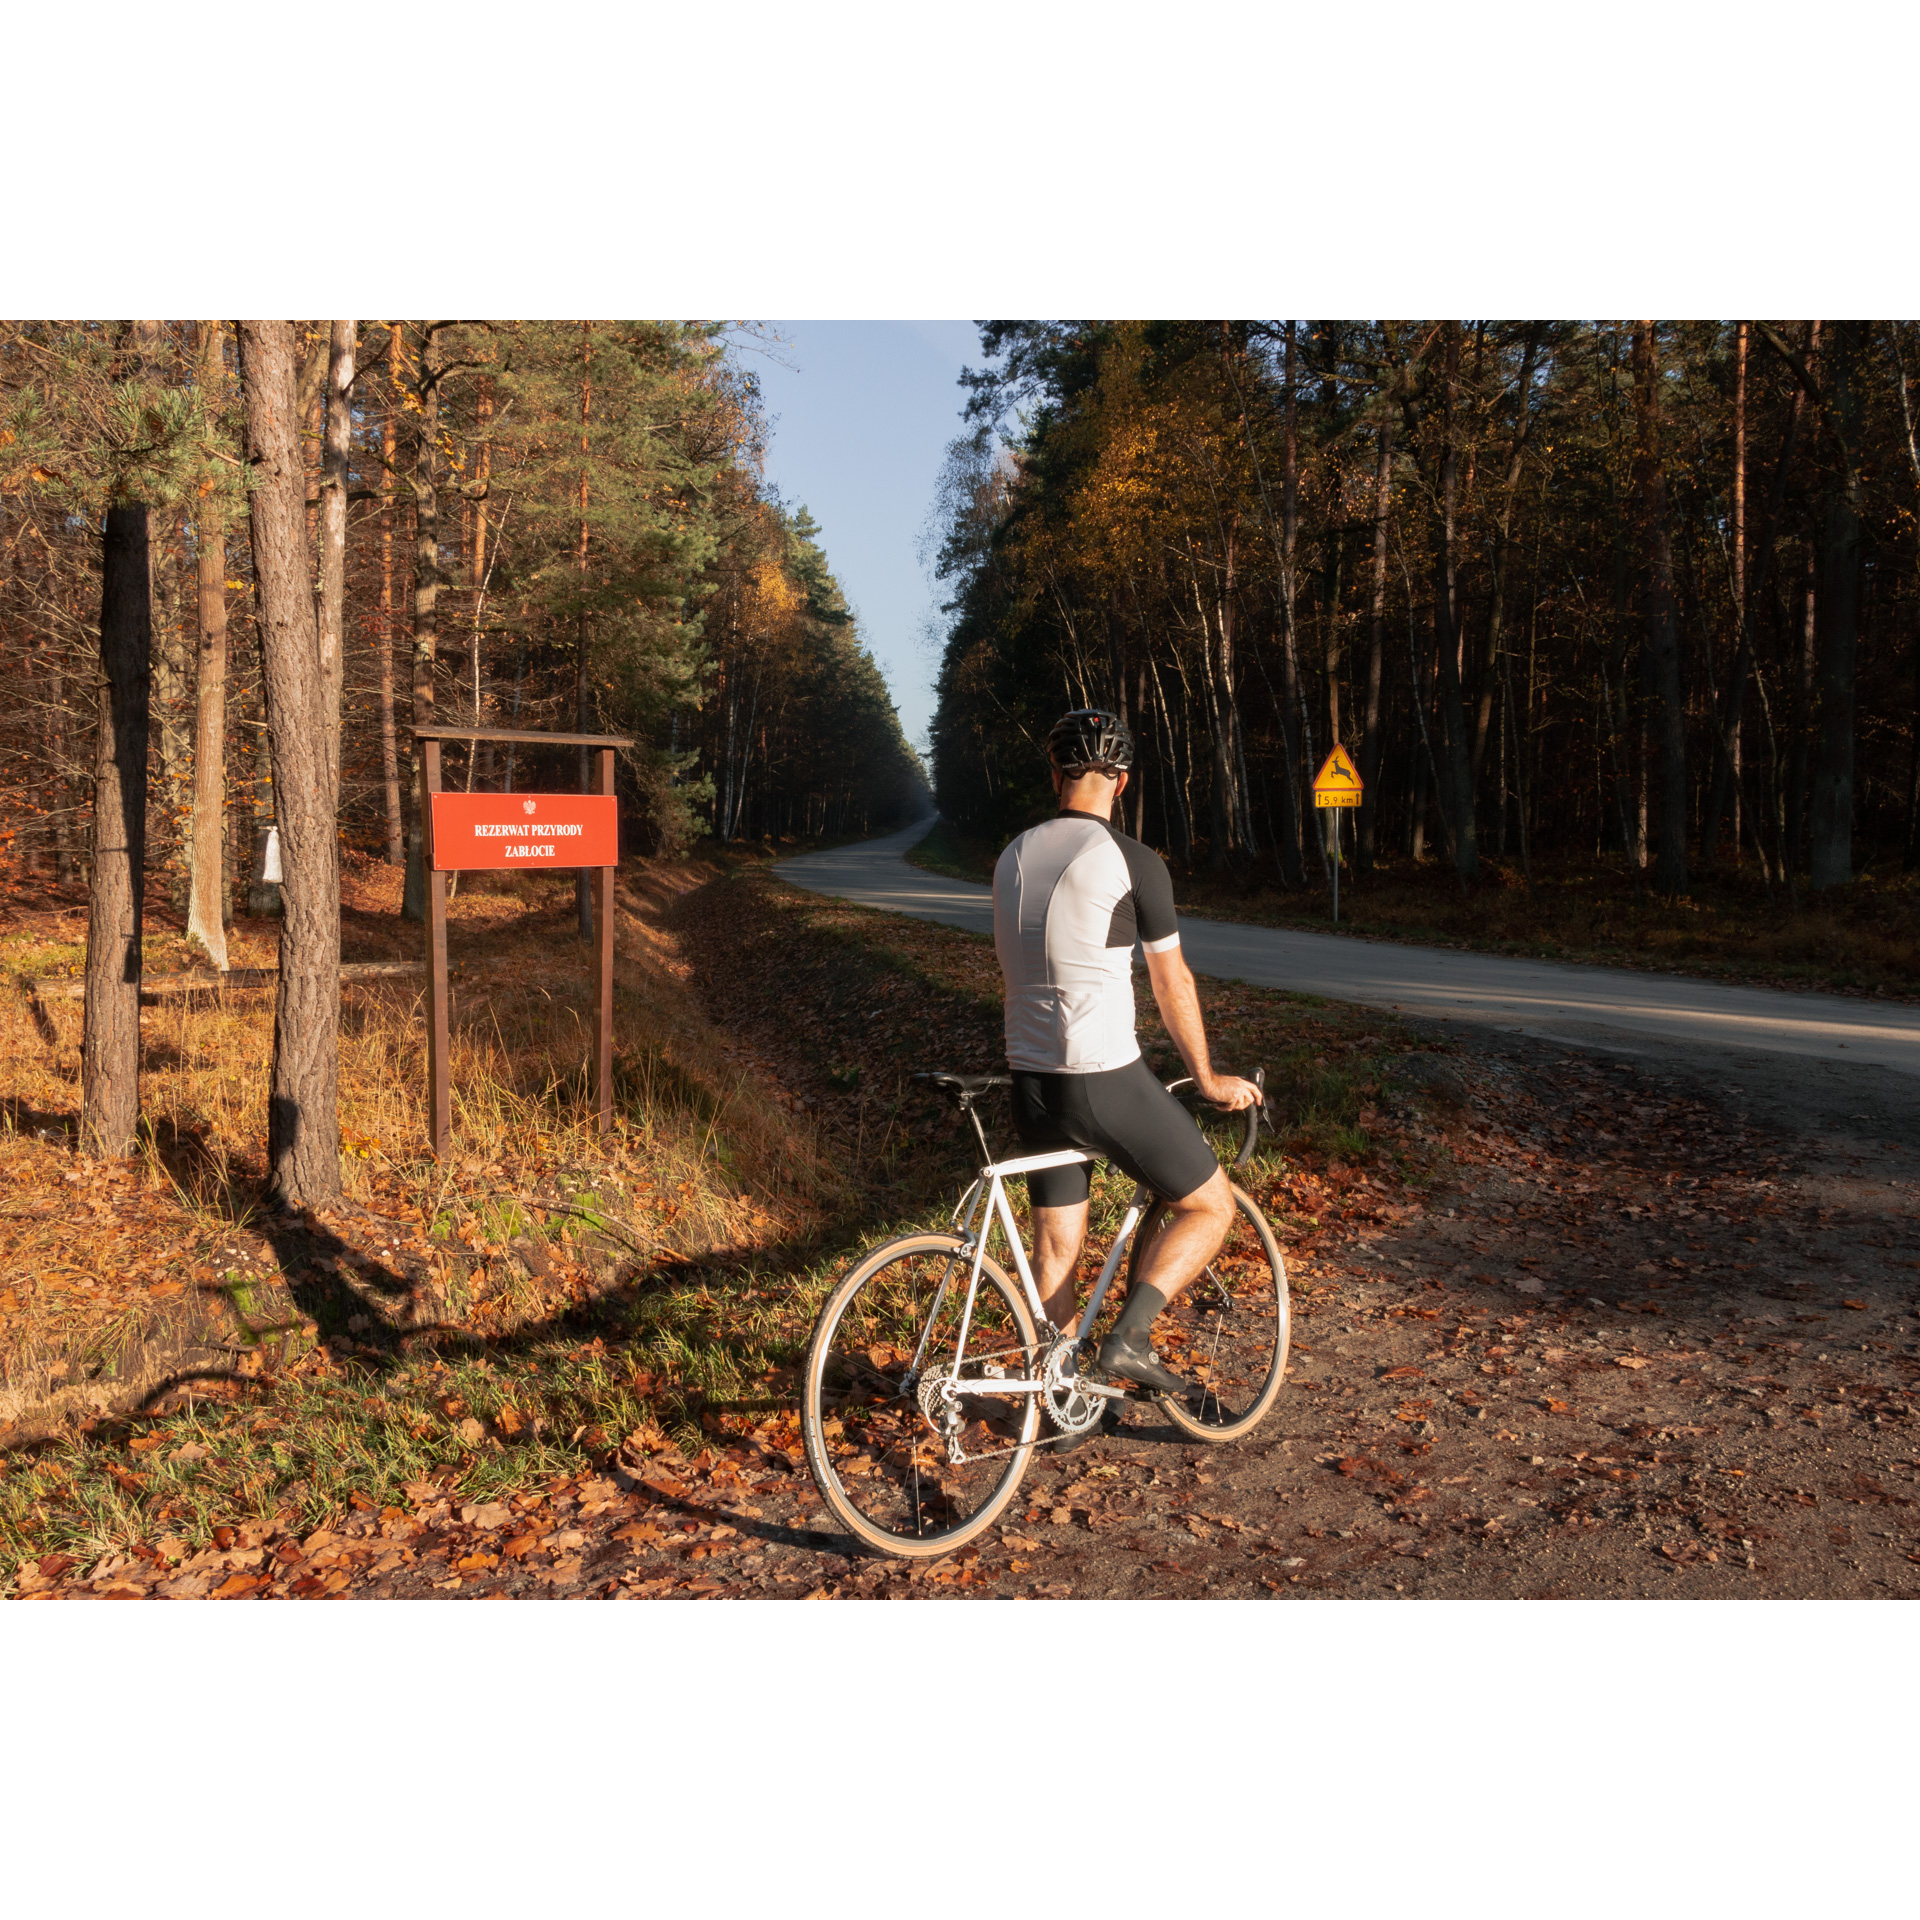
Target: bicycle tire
[(885, 1473), (1228, 1330)]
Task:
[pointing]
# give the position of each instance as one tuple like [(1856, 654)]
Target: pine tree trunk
[(1292, 829), (1726, 767), (171, 720), (389, 745), (582, 879), (206, 902), (426, 601), (110, 1047), (1657, 610), (1804, 657), (1371, 742), (1217, 659), (1739, 589), (63, 834), (333, 541), (1910, 853), (1455, 781), (1752, 570), (170, 656), (1831, 850), (1502, 538), (303, 1124), (482, 698)]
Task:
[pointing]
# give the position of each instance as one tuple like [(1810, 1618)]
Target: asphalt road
[(1844, 1044)]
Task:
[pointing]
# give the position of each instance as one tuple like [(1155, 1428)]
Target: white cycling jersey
[(1070, 897)]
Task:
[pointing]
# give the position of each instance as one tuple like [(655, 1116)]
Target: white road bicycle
[(931, 1377)]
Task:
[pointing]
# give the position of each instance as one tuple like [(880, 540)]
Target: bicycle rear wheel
[(1228, 1331), (880, 1463)]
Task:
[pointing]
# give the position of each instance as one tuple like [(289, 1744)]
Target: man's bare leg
[(1174, 1259), (1058, 1235), (1190, 1239)]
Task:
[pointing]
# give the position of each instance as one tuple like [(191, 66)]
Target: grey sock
[(1134, 1327)]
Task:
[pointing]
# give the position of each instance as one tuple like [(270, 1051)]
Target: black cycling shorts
[(1125, 1116)]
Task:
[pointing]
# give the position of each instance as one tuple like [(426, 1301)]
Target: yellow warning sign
[(1338, 783)]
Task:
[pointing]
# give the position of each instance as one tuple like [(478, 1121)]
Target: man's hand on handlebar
[(1229, 1091)]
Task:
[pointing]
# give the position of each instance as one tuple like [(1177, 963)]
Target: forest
[(551, 526), (1644, 593), (242, 563)]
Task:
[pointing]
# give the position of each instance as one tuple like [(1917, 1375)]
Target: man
[(1070, 897)]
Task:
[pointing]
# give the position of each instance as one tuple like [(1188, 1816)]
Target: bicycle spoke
[(880, 1428), (1227, 1332)]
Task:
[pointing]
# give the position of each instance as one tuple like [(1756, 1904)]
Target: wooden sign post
[(526, 833), (1337, 784)]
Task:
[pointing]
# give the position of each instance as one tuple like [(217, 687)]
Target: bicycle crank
[(1073, 1404)]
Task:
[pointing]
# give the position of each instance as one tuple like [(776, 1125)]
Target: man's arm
[(1179, 1004)]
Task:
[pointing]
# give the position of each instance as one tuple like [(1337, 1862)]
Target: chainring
[(1068, 1406)]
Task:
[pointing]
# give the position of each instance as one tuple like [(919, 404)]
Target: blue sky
[(862, 411)]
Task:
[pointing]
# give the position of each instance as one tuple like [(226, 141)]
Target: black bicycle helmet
[(1090, 740)]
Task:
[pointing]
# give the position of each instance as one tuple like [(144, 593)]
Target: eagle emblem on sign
[(526, 806)]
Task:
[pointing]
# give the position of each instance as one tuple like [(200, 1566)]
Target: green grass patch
[(952, 851)]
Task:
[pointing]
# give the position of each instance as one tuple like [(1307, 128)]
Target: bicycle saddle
[(965, 1083)]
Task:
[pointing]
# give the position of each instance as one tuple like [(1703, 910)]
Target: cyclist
[(1070, 898)]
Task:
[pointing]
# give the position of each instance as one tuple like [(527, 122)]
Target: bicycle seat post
[(979, 1132)]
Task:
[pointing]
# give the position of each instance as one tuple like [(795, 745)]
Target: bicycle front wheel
[(876, 1433), (1228, 1331)]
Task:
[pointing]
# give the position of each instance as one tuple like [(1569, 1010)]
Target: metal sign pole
[(603, 974), (1336, 787)]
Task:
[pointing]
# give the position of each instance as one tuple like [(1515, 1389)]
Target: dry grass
[(1863, 938), (423, 1343), (700, 1160)]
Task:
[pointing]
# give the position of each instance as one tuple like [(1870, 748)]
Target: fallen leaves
[(1363, 1465), (1633, 1361)]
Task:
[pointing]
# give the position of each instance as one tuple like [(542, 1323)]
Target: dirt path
[(1639, 1343)]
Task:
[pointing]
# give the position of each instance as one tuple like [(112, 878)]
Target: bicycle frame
[(985, 1202)]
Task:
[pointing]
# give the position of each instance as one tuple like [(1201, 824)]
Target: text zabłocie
[(532, 831)]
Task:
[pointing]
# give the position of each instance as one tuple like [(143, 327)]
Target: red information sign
[(528, 831)]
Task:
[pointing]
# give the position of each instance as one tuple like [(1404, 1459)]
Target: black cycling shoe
[(1125, 1361)]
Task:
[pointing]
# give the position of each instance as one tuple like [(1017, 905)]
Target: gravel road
[(1844, 1055)]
